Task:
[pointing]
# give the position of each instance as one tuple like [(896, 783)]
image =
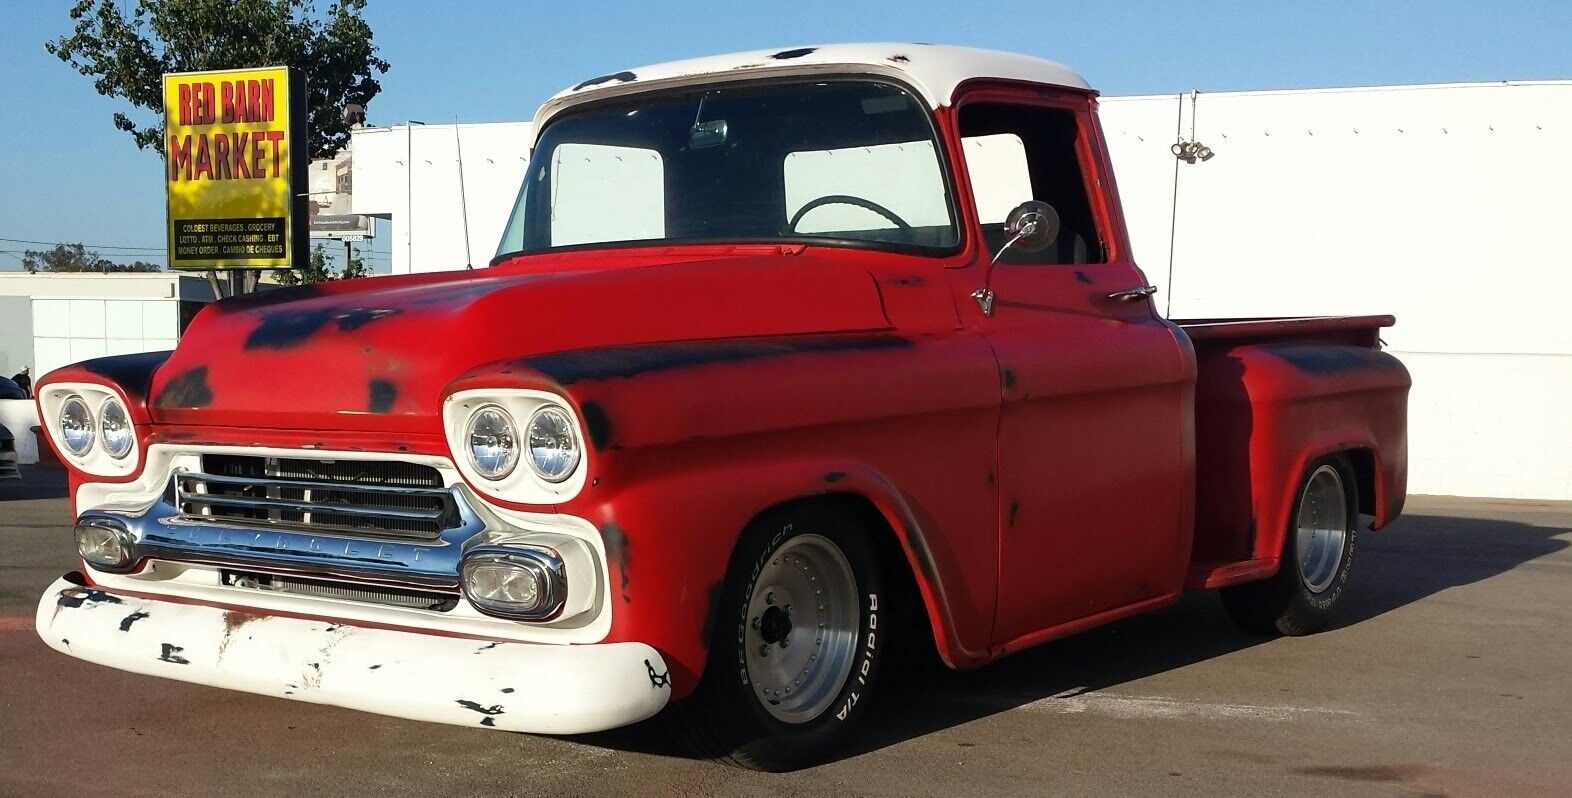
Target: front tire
[(798, 643), (1318, 552)]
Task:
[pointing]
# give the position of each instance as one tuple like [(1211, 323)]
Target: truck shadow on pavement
[(1415, 558)]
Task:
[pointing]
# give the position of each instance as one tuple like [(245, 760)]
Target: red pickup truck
[(786, 357)]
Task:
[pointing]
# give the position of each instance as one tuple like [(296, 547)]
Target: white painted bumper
[(546, 689)]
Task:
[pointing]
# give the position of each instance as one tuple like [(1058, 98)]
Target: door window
[(1016, 153)]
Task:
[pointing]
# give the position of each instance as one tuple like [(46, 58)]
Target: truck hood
[(318, 356)]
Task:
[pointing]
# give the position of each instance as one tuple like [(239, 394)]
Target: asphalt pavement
[(1448, 675)]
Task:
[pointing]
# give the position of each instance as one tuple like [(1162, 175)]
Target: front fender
[(670, 538)]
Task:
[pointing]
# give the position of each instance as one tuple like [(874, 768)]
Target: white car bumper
[(547, 689)]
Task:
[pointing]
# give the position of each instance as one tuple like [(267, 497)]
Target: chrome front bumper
[(525, 687)]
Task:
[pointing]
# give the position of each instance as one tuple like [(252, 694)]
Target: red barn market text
[(246, 149)]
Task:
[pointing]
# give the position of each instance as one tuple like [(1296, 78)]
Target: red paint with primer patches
[(1068, 460)]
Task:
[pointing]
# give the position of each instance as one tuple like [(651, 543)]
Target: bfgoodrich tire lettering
[(799, 643)]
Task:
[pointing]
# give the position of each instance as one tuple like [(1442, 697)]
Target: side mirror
[(1031, 227)]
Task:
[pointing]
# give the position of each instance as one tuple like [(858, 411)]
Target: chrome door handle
[(1133, 294)]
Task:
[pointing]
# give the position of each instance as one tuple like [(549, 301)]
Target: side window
[(1017, 153)]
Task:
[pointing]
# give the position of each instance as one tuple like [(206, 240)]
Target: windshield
[(852, 163)]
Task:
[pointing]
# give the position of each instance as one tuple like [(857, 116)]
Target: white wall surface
[(1445, 206), (428, 230), (81, 316)]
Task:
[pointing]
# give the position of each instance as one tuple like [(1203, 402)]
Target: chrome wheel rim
[(1322, 528), (800, 634)]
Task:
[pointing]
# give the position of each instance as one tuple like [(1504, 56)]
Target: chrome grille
[(359, 497)]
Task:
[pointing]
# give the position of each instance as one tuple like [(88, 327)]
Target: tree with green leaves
[(78, 258), (318, 270), (127, 56)]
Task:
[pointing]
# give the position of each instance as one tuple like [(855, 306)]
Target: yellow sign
[(235, 169)]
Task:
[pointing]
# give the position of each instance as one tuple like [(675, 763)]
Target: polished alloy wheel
[(1322, 528), (801, 633)]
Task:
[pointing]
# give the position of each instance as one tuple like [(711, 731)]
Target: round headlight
[(493, 445), (114, 427), (553, 444), (76, 426)]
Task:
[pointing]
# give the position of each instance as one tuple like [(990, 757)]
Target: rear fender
[(1303, 402)]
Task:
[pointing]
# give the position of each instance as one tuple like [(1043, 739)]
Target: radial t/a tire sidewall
[(750, 735), (1309, 611)]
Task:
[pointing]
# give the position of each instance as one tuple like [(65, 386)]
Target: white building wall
[(424, 204), (1445, 206)]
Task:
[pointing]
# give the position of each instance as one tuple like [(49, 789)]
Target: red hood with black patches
[(376, 354)]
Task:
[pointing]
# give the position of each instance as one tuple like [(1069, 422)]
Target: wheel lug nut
[(769, 597), (755, 623), (764, 650)]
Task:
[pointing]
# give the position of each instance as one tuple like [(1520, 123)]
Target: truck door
[(1096, 446)]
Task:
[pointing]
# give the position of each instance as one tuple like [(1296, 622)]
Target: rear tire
[(810, 578), (1318, 552)]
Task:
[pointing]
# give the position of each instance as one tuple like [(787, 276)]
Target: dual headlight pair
[(550, 443), (111, 428)]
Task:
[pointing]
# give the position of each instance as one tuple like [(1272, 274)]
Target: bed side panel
[(1265, 411)]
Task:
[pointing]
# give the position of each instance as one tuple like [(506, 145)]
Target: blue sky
[(67, 175)]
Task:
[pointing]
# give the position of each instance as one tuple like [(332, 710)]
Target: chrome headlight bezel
[(520, 485)]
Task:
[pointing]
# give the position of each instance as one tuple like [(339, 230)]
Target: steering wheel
[(846, 199)]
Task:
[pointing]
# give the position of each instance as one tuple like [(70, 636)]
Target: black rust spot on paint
[(1082, 278), (489, 712), (617, 77), (189, 390), (834, 477), (597, 424), (289, 328), (620, 362), (133, 373), (171, 653), (658, 680), (125, 623), (617, 552), (1015, 507), (786, 55), (1323, 360), (900, 59), (73, 598), (487, 647), (1009, 379), (506, 690), (383, 394)]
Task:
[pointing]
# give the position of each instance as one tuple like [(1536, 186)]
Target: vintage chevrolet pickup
[(786, 357)]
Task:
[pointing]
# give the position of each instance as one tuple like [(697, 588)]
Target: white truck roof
[(933, 70)]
